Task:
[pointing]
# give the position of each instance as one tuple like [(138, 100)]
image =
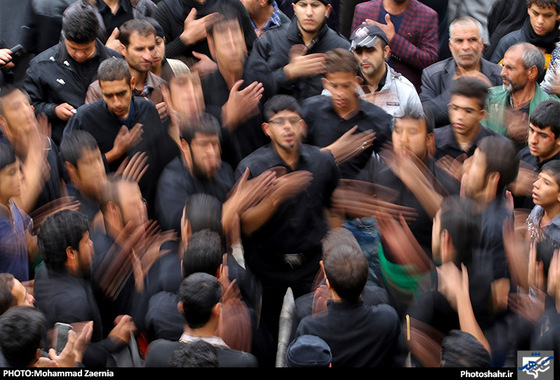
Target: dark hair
[(113, 69), (59, 231), (223, 23), (341, 60), (203, 211), (552, 167), (80, 26), (461, 349), (545, 4), (227, 14), (196, 354), (143, 27), (22, 329), (546, 114), (471, 87), (463, 226), (206, 124), (74, 143), (426, 115), (7, 90), (346, 269), (7, 155), (7, 299), (501, 157), (199, 293), (203, 254), (279, 103)]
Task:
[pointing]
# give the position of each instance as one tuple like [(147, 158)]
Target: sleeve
[(35, 87), (258, 66), (174, 47), (434, 99), (427, 50)]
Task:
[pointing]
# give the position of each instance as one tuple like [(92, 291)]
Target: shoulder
[(372, 4), (335, 39), (443, 133), (417, 6), (488, 67), (48, 55), (315, 101), (400, 80), (228, 357), (375, 112), (438, 68)]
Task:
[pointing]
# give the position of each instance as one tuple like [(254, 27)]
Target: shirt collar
[(213, 340), (123, 6)]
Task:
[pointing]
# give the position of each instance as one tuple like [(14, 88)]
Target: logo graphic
[(535, 365)]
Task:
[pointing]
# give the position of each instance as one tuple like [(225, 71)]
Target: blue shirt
[(14, 223)]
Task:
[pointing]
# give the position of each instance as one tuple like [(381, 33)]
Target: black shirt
[(421, 226), (156, 142), (447, 145), (248, 136), (112, 21), (325, 126), (176, 184), (299, 224)]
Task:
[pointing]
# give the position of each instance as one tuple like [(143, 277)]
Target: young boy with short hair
[(15, 225), (544, 219)]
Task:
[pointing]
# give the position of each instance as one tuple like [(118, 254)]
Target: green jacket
[(496, 104)]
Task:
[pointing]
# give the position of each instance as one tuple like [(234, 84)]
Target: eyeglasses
[(279, 121)]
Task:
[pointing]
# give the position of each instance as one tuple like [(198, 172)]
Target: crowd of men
[(170, 169)]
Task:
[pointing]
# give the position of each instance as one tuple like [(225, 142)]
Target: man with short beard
[(509, 106)]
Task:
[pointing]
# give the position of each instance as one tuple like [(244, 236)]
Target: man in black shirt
[(339, 109), (466, 110), (184, 23), (62, 288), (199, 169), (488, 172), (124, 125), (292, 60), (227, 96), (543, 145), (282, 234)]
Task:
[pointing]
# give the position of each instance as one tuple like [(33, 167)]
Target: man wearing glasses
[(282, 234)]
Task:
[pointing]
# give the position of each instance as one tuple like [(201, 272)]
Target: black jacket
[(272, 51), (53, 78), (69, 299), (171, 15)]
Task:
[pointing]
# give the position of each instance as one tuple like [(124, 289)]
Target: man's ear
[(70, 255), (72, 171), (533, 72), (328, 11), (211, 46), (386, 52), (180, 307), (265, 128)]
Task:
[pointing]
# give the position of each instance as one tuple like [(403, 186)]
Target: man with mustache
[(276, 250), (383, 86), (509, 106), (466, 43), (412, 30)]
